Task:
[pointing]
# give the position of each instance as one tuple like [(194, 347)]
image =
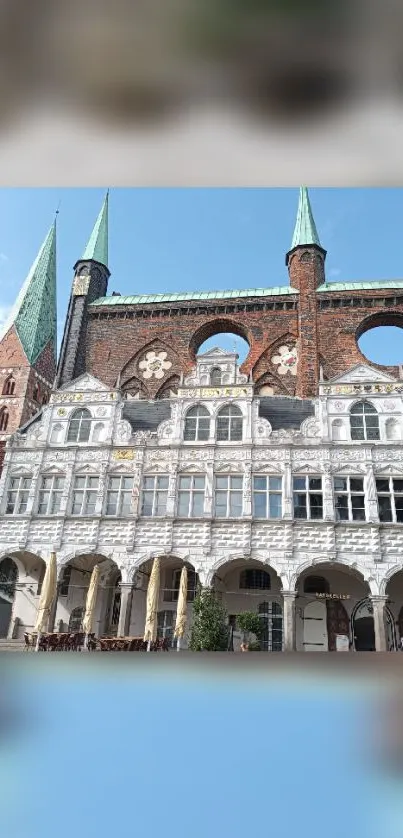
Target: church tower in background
[(28, 345)]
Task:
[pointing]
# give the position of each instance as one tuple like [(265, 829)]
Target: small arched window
[(215, 377), (316, 585), (229, 424), (393, 430), (76, 619), (99, 432), (9, 386), (197, 424), (338, 430), (364, 421), (254, 579), (4, 417), (80, 426)]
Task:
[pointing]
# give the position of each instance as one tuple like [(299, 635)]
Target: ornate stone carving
[(285, 360), (154, 365), (141, 437), (263, 429), (311, 428), (123, 454), (124, 431), (165, 429)]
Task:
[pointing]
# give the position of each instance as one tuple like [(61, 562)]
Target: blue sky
[(151, 749), (183, 239)]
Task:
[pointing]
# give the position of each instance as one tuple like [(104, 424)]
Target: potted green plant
[(250, 624)]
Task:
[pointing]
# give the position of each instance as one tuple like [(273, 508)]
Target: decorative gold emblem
[(123, 454)]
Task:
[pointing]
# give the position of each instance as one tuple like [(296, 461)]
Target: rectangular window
[(308, 498), (228, 496), (85, 492), (119, 495), (17, 495), (191, 496), (50, 495), (65, 582), (390, 499), (349, 498), (267, 497), (154, 495)]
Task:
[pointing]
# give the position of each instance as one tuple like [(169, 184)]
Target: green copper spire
[(305, 229), (97, 247), (34, 313)]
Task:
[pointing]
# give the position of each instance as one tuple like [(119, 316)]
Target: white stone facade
[(362, 559)]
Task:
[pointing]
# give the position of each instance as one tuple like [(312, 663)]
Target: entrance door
[(315, 627), (271, 614)]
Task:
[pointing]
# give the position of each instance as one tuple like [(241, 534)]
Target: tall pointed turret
[(306, 269), (28, 344), (97, 247), (305, 228), (34, 312), (91, 274)]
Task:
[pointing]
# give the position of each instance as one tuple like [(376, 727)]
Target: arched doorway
[(246, 586), (394, 592), (8, 582), (364, 630), (327, 596)]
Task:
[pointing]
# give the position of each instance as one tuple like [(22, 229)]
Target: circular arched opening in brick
[(224, 334), (380, 339)]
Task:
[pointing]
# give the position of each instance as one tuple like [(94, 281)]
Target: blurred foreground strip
[(222, 91)]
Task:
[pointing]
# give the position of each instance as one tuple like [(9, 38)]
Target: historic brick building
[(279, 482)]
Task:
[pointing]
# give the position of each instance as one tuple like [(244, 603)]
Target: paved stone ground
[(11, 645)]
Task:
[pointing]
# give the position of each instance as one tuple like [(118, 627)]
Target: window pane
[(58, 483), (371, 421), (275, 506), (372, 433), (315, 484), (43, 505), (84, 433), (222, 429), (198, 482), (148, 482), (73, 430), (356, 484), (114, 482), (46, 482), (259, 504), (341, 513), (235, 504), (260, 482), (161, 503), (300, 506), (236, 430), (356, 421), (299, 483), (341, 502), (275, 483), (220, 504), (204, 429), (184, 482), (90, 503), (358, 514), (79, 483), (112, 503), (316, 507), (357, 433), (147, 505), (162, 482), (127, 483), (221, 482), (398, 485), (198, 504), (382, 485), (357, 501), (385, 509), (125, 507), (340, 484), (183, 504), (190, 429), (93, 482), (26, 482), (77, 503), (236, 482)]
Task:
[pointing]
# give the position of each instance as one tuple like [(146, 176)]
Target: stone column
[(378, 603), (289, 620), (287, 491), (125, 609)]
